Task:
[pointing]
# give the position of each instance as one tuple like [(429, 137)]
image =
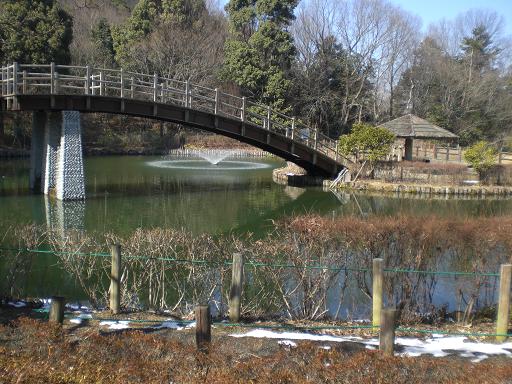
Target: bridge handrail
[(18, 79)]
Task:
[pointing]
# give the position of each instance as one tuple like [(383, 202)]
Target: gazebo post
[(408, 148)]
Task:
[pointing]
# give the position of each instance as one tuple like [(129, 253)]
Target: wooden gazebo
[(410, 127)]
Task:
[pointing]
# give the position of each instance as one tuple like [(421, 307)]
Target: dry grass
[(295, 291), (37, 352)]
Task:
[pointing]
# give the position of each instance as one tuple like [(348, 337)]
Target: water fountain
[(207, 159), (214, 156)]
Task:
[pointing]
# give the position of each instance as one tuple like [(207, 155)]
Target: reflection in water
[(63, 216)]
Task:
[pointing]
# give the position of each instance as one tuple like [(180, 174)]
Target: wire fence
[(253, 263)]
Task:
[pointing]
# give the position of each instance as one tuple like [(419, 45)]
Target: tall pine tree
[(260, 49)]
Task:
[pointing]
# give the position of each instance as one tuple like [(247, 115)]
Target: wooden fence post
[(115, 278), (387, 331), (504, 301), (377, 291), (203, 327), (235, 293), (57, 310)]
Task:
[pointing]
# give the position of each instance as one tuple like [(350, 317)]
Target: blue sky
[(434, 10)]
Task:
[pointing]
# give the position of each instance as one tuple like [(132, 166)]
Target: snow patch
[(116, 324), (287, 343), (17, 304), (437, 346), (173, 324)]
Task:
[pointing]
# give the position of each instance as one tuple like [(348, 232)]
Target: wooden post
[(269, 117), (387, 331), (293, 128), (121, 81), (447, 153), (235, 293), (187, 85), (377, 291), (132, 87), (15, 78), (500, 157), (87, 85), (52, 76), (316, 138), (102, 86), (57, 310), (216, 108), (504, 301), (460, 154), (242, 116), (115, 278), (155, 87), (435, 152), (24, 80), (203, 328)]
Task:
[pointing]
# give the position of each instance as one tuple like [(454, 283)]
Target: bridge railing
[(56, 79)]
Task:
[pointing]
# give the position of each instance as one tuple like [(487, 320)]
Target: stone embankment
[(294, 175), (463, 190)]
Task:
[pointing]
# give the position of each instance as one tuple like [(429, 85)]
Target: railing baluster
[(121, 80), (102, 85), (155, 86), (242, 117), (293, 128), (186, 94), (88, 80), (15, 78), (24, 80), (52, 75), (216, 107), (132, 87)]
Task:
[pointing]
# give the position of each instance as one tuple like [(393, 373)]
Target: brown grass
[(37, 352)]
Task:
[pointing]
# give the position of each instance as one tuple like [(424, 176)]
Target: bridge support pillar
[(50, 151), (62, 162), (36, 149), (70, 184)]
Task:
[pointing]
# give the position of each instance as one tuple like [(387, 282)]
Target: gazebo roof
[(417, 128)]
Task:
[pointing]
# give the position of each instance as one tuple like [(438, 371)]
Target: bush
[(372, 142), (481, 156)]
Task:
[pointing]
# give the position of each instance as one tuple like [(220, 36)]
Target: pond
[(238, 196)]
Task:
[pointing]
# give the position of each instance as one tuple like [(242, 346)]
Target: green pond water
[(126, 193)]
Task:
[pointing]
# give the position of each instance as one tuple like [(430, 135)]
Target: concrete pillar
[(408, 148), (36, 149), (70, 170), (51, 147)]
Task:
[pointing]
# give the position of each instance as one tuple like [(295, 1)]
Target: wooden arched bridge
[(51, 88)]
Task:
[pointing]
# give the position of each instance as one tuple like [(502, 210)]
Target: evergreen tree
[(479, 49), (145, 18), (34, 31), (260, 50), (104, 46)]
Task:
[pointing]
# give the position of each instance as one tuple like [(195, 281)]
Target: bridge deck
[(86, 89)]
